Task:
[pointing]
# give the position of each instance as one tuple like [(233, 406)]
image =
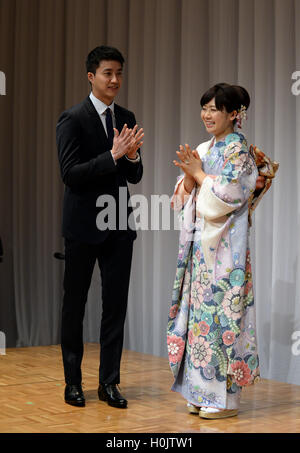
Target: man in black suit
[(98, 148)]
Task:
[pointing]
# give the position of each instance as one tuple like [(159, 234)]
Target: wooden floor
[(32, 388)]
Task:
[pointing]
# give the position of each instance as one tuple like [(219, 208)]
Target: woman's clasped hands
[(190, 163)]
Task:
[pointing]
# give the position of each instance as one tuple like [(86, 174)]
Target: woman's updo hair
[(230, 97)]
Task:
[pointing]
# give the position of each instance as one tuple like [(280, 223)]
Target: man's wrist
[(136, 158), (113, 157)]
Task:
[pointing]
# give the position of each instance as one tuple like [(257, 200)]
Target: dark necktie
[(109, 127)]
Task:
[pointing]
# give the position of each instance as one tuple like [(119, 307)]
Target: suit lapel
[(96, 122)]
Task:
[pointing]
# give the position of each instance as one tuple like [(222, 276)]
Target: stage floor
[(32, 389)]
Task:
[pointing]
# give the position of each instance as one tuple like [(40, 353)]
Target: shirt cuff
[(137, 159), (113, 157)]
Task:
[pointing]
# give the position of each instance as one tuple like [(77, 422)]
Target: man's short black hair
[(100, 53)]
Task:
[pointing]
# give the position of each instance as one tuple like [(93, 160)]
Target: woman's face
[(217, 122)]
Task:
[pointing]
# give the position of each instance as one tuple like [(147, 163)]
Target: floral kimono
[(211, 334)]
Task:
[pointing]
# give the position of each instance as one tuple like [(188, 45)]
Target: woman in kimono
[(211, 330)]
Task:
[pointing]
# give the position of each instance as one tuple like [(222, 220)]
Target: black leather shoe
[(74, 395), (110, 393)]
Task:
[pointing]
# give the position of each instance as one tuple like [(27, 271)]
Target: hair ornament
[(241, 116)]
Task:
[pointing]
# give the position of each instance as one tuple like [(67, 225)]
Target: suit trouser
[(114, 258)]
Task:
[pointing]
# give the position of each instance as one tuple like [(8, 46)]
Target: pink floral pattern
[(228, 337), (201, 352), (175, 348), (173, 311), (233, 303), (197, 295), (204, 328), (241, 373)]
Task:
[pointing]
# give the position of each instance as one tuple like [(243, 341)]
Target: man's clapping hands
[(128, 141)]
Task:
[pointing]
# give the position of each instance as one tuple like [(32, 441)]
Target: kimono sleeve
[(179, 200), (220, 195)]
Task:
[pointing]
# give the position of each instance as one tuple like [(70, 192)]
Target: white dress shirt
[(101, 110)]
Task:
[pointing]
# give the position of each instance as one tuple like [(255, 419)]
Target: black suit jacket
[(88, 170)]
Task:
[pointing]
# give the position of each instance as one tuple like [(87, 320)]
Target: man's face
[(107, 81)]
